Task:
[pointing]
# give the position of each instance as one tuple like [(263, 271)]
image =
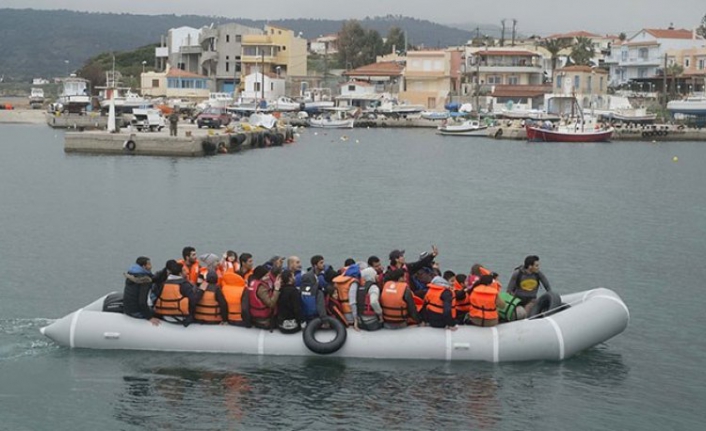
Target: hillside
[(37, 43)]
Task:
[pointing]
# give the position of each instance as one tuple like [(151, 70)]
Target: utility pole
[(262, 71), (325, 64), (514, 25), (664, 83), (502, 34)]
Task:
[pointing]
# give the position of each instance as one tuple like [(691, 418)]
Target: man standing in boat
[(524, 282)]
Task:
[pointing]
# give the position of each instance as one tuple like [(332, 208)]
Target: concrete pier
[(190, 142), (90, 121)]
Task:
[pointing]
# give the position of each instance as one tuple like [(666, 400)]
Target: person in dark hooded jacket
[(138, 283)]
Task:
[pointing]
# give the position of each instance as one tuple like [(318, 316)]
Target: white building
[(642, 55), (254, 83)]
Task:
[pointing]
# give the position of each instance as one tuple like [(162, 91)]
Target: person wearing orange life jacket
[(263, 298), (209, 262), (346, 286), (485, 302), (229, 263), (212, 307), (439, 308), (397, 301), (462, 301), (176, 297), (524, 282), (191, 263), (246, 266), (237, 307)]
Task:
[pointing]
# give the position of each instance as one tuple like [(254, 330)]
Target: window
[(624, 54), (238, 38), (284, 48), (589, 83), (256, 87), (155, 83), (643, 54), (559, 81), (272, 86), (351, 88), (495, 79), (687, 63), (513, 80), (642, 72), (701, 64), (600, 88), (577, 82), (227, 66), (227, 38)]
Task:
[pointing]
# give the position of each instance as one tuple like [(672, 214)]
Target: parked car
[(147, 119), (213, 118)]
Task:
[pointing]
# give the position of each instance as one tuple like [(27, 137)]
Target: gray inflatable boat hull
[(594, 317)]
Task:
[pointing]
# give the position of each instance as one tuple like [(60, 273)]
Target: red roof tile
[(588, 69), (384, 68), (670, 33)]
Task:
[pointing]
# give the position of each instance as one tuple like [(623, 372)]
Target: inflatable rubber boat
[(584, 320)]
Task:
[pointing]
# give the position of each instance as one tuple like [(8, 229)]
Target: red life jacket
[(258, 309)]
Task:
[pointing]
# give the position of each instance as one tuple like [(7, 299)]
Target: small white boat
[(74, 96), (332, 123), (467, 128), (36, 97), (584, 320), (285, 104)]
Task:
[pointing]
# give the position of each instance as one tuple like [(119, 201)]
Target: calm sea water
[(620, 215)]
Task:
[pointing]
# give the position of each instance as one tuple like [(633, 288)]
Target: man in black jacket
[(138, 283)]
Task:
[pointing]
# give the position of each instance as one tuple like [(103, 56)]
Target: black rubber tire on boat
[(499, 133), (240, 138), (665, 133), (324, 348), (680, 127), (208, 147), (546, 302), (130, 145)]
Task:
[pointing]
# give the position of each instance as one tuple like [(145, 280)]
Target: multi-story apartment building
[(278, 51), (642, 55), (486, 67), (431, 77), (220, 54)]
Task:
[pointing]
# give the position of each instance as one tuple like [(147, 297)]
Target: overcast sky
[(534, 16)]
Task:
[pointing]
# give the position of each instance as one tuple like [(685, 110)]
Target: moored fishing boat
[(467, 128), (568, 134), (584, 320)]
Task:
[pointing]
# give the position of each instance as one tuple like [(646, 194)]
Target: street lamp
[(67, 67), (144, 63)]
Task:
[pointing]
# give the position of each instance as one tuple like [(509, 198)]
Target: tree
[(582, 51), (701, 30), (553, 46), (674, 70), (395, 40), (350, 43), (622, 36), (357, 46)]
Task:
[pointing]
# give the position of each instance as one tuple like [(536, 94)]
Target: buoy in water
[(675, 159)]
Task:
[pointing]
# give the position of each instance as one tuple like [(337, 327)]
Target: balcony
[(257, 59), (209, 56), (190, 49), (207, 33)]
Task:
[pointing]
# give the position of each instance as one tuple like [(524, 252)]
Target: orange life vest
[(483, 302), (227, 266), (462, 305), (394, 307), (433, 300), (208, 310), (343, 284), (233, 288), (171, 302), (193, 274)]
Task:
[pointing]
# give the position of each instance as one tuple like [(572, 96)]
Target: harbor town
[(226, 87)]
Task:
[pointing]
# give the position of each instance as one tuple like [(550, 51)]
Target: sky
[(542, 17)]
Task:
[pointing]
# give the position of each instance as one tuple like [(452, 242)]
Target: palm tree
[(583, 51), (674, 70), (554, 46)]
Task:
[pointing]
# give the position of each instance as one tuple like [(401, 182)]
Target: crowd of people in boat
[(280, 294)]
